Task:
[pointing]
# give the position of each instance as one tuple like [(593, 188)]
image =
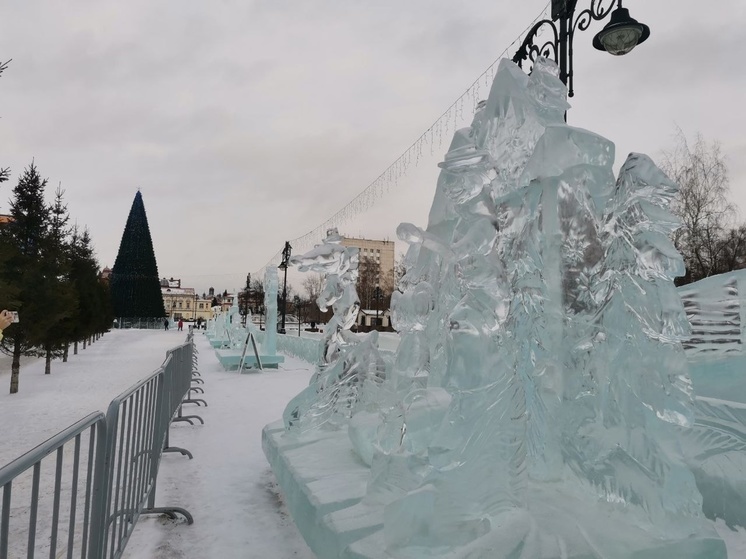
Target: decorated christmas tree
[(135, 288)]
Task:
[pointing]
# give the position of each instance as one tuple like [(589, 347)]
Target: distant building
[(379, 252), (184, 303), (366, 320)]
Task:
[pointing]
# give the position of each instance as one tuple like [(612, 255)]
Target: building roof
[(178, 290)]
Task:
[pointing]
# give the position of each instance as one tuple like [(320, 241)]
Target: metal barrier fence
[(91, 507)]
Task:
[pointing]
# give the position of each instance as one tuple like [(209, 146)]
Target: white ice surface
[(228, 487)]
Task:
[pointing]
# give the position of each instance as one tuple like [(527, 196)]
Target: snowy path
[(228, 486)]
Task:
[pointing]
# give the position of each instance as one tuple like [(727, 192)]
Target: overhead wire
[(390, 176)]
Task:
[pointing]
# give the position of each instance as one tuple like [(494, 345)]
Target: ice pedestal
[(325, 483), (320, 476), (539, 403)]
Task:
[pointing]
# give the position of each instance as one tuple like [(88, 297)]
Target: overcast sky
[(248, 123)]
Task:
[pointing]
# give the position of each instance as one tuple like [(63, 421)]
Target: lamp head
[(621, 34)]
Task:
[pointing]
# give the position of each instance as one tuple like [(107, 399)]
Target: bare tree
[(374, 286), (367, 280), (313, 284), (399, 269), (703, 206), (733, 249)]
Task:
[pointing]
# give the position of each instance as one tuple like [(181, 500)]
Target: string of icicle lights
[(443, 127)]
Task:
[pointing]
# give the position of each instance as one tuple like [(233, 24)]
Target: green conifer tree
[(57, 289), (135, 287), (93, 314), (24, 238)]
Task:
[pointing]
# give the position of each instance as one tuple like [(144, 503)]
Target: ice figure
[(271, 283), (234, 330), (347, 362), (541, 384)]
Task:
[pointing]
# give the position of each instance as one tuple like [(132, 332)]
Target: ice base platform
[(230, 359), (324, 484)]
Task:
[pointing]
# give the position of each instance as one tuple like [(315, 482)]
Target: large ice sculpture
[(555, 328), (347, 362), (539, 394)]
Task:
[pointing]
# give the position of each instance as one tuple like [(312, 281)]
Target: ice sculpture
[(271, 283), (555, 328), (537, 401), (347, 362), (235, 331)]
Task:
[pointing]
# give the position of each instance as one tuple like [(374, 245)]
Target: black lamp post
[(284, 265), (377, 295), (619, 37)]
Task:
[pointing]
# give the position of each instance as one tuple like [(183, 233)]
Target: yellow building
[(183, 302), (379, 252)]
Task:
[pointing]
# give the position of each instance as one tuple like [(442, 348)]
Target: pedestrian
[(181, 325), (6, 319), (165, 323)]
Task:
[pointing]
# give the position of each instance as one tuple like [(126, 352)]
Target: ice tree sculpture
[(271, 283), (347, 361), (541, 385)]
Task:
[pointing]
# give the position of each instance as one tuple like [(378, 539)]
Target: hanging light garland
[(443, 127)]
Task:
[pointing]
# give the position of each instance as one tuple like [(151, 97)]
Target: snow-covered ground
[(228, 486)]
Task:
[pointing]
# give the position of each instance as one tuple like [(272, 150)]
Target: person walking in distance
[(181, 325)]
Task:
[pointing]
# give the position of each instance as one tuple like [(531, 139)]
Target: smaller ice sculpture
[(347, 361), (270, 305), (235, 331)]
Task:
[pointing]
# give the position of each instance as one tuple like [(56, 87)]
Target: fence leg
[(183, 451)]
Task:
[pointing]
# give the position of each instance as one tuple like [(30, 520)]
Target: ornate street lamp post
[(619, 37), (284, 265)]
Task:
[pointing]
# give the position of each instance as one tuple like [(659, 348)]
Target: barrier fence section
[(91, 508), (23, 479)]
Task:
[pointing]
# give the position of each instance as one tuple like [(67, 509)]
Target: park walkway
[(228, 486)]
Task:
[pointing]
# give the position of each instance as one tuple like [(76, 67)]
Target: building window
[(201, 306), (179, 304), (187, 304)]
